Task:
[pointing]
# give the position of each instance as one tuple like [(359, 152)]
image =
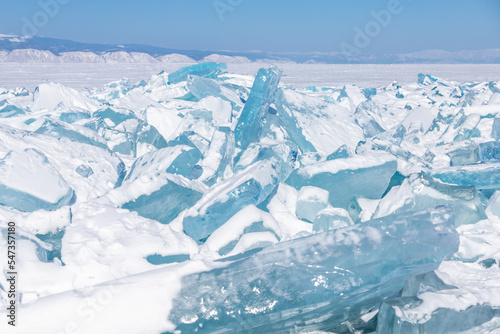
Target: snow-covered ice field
[(81, 76), (208, 199)]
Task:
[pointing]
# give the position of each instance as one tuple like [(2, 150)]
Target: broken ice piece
[(164, 204), (316, 282), (361, 175), (207, 70), (421, 191), (482, 176), (310, 201), (261, 96), (331, 218), (490, 151), (29, 182), (249, 186)]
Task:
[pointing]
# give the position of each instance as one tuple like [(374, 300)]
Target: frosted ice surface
[(420, 191), (29, 182)]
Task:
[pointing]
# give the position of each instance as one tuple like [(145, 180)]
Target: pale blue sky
[(266, 25)]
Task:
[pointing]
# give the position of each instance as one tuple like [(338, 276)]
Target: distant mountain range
[(25, 49)]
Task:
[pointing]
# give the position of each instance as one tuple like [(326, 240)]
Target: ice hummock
[(193, 175)]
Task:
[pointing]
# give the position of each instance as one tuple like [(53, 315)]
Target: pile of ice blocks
[(206, 202)]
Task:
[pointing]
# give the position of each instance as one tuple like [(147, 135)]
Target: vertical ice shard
[(495, 131), (207, 70), (261, 96), (318, 282), (219, 157), (364, 118), (249, 186), (421, 191), (290, 122)]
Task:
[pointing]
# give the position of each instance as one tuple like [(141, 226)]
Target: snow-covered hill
[(26, 49)]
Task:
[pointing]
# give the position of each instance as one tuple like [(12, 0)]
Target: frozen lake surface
[(81, 76)]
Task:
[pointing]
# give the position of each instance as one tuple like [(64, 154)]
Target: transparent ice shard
[(482, 176), (290, 122), (248, 128), (342, 152), (400, 315), (495, 131), (365, 120), (113, 116), (29, 182), (360, 175), (310, 201), (55, 240), (490, 151), (247, 229), (464, 156), (421, 191), (202, 88), (58, 129), (421, 115), (178, 159), (207, 70), (125, 133), (10, 110), (493, 207), (319, 282), (249, 186), (164, 204), (460, 153), (73, 115), (331, 218), (285, 152), (426, 79), (219, 157)]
